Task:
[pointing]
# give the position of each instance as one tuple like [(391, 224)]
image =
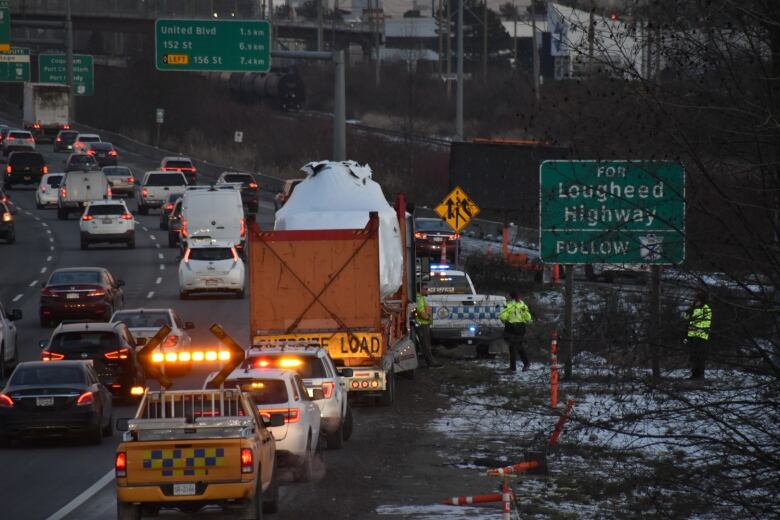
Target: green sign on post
[(617, 212), (15, 65), (5, 26), (52, 69), (213, 45)]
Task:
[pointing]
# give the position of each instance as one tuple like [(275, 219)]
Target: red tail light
[(86, 399), (87, 217), (253, 185), (327, 389), (127, 216), (96, 292), (168, 207), (10, 138), (120, 464), (45, 169), (171, 341), (247, 461), (243, 227), (48, 293), (51, 356), (131, 180), (66, 127), (6, 401), (8, 169), (291, 415), (454, 237), (59, 139), (37, 125), (420, 235), (112, 153), (91, 152), (109, 192), (145, 192), (64, 192), (43, 188), (122, 353)]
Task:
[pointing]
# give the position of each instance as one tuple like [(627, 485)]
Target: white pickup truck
[(155, 188), (460, 315)]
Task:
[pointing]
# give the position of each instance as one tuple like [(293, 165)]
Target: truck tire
[(125, 511), (253, 508), (388, 397), (335, 439), (271, 495), (349, 423)]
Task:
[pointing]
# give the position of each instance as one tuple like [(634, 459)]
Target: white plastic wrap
[(340, 195)]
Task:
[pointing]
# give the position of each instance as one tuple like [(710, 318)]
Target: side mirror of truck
[(276, 420), (317, 394), (122, 425), (346, 372)]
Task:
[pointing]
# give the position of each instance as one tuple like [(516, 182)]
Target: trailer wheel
[(388, 397)]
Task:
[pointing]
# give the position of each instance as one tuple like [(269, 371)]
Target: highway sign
[(15, 65), (618, 212), (159, 115), (5, 27), (213, 45), (52, 69), (238, 136), (457, 209)]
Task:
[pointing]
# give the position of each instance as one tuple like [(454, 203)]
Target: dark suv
[(64, 140), (110, 347), (24, 168), (250, 192)]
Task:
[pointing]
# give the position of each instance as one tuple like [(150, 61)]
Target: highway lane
[(64, 468)]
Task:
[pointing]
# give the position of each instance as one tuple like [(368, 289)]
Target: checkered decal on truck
[(467, 312), (184, 462)]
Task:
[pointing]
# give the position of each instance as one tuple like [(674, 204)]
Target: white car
[(156, 187), (318, 371), (9, 353), (107, 221), (18, 140), (144, 323), (282, 392), (210, 266), (81, 144), (47, 193)]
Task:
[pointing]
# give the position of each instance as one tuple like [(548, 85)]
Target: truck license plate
[(44, 401), (183, 489)]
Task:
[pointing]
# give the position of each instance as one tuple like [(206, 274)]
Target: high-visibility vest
[(515, 311), (421, 315), (699, 322)]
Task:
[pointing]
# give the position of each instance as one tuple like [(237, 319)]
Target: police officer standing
[(423, 317), (516, 316), (699, 321)]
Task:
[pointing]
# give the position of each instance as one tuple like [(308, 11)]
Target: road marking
[(51, 239), (48, 231), (150, 295), (27, 212), (51, 248), (157, 246), (153, 237), (49, 258), (83, 497), (145, 228), (38, 219), (159, 280), (17, 297), (44, 224), (162, 267), (160, 256), (32, 284), (136, 221), (43, 270)]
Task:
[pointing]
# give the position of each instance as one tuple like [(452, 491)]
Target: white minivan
[(216, 212), (78, 189)]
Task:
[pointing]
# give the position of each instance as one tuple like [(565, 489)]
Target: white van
[(79, 188), (215, 212)]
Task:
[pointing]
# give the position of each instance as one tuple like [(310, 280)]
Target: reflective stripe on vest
[(422, 317), (515, 312)]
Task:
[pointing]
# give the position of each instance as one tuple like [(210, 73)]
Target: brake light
[(8, 169), (122, 353), (171, 341), (6, 401), (43, 188), (131, 180), (291, 415), (112, 153), (91, 152), (253, 185), (187, 256), (45, 169), (145, 192), (109, 193), (87, 217), (96, 292), (127, 216), (64, 192), (10, 138), (59, 139), (420, 235), (51, 356), (327, 389), (7, 217), (86, 399), (48, 293), (247, 461), (243, 227), (120, 464), (66, 127), (168, 206)]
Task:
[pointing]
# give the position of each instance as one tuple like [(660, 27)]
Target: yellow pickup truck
[(187, 449)]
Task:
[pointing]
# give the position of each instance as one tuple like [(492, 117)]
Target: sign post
[(611, 212), (15, 66), (213, 45), (52, 68), (5, 26)]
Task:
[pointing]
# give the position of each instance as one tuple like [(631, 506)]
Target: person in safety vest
[(423, 315), (516, 316), (699, 319)]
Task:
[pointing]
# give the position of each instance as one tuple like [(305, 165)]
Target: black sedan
[(431, 235), (166, 210), (55, 399), (7, 229)]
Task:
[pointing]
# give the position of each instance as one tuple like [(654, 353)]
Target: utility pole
[(459, 94), (339, 109), (319, 25), (271, 22), (535, 51), (591, 36), (378, 61), (655, 321), (484, 40), (514, 39), (441, 37), (69, 60), (449, 48)]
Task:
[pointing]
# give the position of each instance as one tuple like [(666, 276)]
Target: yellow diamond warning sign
[(457, 209)]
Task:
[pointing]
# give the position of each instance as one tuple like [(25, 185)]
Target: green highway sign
[(617, 212), (5, 26), (213, 45), (15, 65), (51, 69)]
